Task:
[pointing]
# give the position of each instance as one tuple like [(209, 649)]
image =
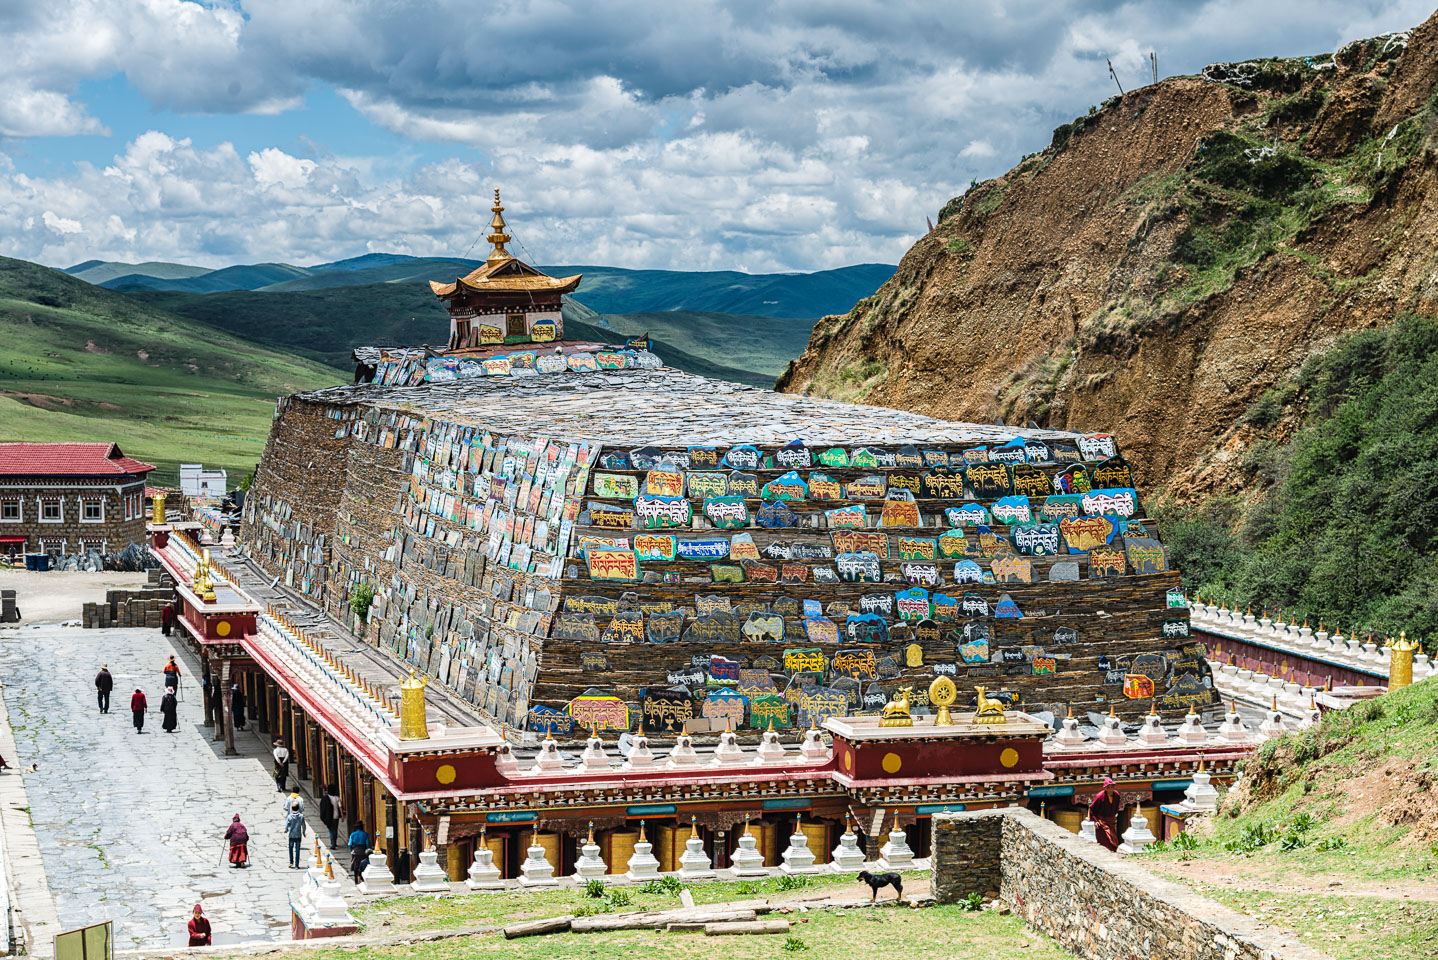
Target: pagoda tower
[(505, 300)]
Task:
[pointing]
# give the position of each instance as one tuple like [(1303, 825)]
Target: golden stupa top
[(501, 270)]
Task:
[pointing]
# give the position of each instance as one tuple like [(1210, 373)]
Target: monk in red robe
[(1103, 810), (199, 928), (239, 839)]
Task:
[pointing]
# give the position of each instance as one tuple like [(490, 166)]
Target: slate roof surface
[(662, 406), (67, 459)]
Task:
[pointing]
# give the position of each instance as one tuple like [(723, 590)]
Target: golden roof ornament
[(497, 236), (942, 694), (988, 709), (896, 711), (412, 722)]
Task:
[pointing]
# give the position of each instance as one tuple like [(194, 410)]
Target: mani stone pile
[(591, 550)]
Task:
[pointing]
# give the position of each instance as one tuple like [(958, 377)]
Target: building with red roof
[(66, 498)]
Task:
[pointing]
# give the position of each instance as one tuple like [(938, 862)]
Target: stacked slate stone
[(593, 549)]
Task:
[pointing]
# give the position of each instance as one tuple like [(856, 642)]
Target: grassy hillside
[(1332, 833), (764, 345), (247, 277), (1343, 510), (103, 271), (84, 363)]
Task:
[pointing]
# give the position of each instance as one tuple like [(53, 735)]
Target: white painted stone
[(727, 751), (643, 865), (694, 862), (1087, 831), (1137, 836), (428, 877), (536, 871), (896, 855), (771, 751), (799, 858), (594, 759), (1069, 734), (1233, 729), (1152, 733), (847, 857), (548, 760), (377, 876), (747, 861), (590, 865), (1200, 795), (483, 874), (812, 749), (683, 755), (640, 756)]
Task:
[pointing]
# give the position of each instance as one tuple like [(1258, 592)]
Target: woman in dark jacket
[(168, 709), (138, 706), (237, 706)]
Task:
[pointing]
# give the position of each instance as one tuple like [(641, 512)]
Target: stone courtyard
[(130, 826)]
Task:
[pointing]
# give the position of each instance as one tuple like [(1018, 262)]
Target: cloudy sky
[(691, 135)]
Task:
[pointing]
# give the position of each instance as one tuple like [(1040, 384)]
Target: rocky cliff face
[(1166, 261)]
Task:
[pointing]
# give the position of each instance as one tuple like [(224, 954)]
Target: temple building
[(505, 301), (812, 610), (68, 498)]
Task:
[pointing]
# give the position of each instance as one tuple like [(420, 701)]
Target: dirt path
[(52, 596)]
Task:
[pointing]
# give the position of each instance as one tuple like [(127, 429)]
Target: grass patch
[(1348, 928)]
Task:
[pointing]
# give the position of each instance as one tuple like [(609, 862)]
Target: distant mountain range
[(605, 289)]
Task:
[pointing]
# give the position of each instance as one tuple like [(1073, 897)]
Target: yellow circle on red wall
[(891, 763), (1009, 757), (222, 629), (849, 762), (445, 774)]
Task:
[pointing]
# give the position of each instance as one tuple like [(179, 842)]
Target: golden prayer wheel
[(1400, 663), (412, 723), (159, 508), (1070, 820), (818, 837), (496, 846), (618, 848), (668, 846), (768, 842)]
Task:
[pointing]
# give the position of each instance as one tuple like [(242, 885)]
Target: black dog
[(877, 880)]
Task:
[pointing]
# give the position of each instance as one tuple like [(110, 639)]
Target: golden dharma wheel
[(942, 694)]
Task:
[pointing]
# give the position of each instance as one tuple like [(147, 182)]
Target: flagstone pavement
[(130, 826)]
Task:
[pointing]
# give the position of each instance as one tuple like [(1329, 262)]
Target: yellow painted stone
[(446, 774), (1009, 757)]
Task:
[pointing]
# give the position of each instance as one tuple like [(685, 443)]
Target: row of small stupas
[(571, 537)]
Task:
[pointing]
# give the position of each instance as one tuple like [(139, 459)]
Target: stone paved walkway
[(130, 825)]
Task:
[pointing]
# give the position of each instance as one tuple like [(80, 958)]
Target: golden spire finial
[(693, 827), (641, 831), (497, 236)]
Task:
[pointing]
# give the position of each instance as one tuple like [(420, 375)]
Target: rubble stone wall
[(1093, 902)]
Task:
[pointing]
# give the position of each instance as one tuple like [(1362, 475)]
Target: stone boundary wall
[(1096, 903)]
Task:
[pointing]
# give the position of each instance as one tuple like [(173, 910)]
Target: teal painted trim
[(1172, 784), (1059, 791), (511, 816), (924, 808), (651, 809), (788, 803)]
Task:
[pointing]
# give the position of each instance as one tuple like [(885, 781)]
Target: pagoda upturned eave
[(529, 283)]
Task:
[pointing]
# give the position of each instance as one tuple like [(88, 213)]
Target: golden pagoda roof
[(501, 270)]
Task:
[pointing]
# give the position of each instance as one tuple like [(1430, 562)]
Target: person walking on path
[(172, 673), (104, 683), (168, 708), (138, 706), (239, 839), (167, 620), (332, 810), (237, 706), (282, 764), (1103, 810), (199, 928), (292, 800), (359, 850), (295, 830)]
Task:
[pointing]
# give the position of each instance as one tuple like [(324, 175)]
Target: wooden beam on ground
[(533, 928), (746, 927)]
